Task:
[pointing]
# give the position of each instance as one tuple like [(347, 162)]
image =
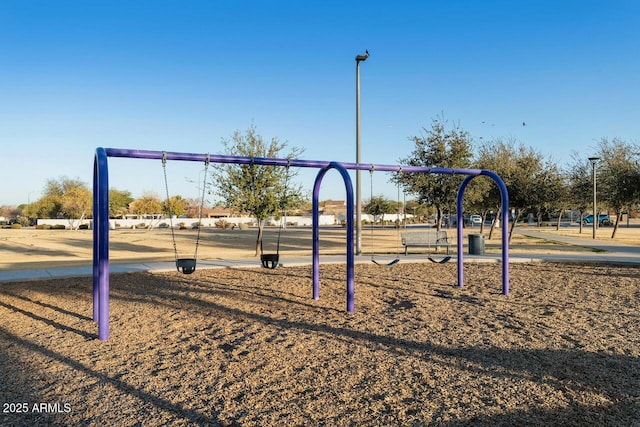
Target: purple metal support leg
[(96, 239), (102, 217)]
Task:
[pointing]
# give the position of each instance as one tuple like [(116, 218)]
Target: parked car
[(452, 220), (475, 219), (603, 219)]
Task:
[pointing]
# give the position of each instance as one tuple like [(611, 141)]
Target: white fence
[(187, 222), (302, 221)]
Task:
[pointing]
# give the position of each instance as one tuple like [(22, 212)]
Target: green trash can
[(476, 244)]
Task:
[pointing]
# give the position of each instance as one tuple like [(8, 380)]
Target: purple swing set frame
[(101, 215)]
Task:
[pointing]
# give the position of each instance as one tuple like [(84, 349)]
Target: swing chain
[(166, 187), (283, 205), (204, 188)]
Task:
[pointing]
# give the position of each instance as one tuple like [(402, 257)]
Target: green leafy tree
[(525, 183), (496, 155), (261, 191), (47, 206), (521, 169), (417, 209), (437, 147), (119, 202), (619, 177), (477, 198), (77, 202), (580, 184), (552, 194), (175, 205), (63, 198), (378, 206), (149, 203)]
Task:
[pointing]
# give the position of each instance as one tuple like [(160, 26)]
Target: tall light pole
[(596, 217), (359, 58)]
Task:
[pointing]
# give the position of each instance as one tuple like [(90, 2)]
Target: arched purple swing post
[(316, 234), (101, 214), (504, 196)]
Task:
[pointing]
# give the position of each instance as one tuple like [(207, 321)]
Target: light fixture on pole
[(359, 58), (596, 217)]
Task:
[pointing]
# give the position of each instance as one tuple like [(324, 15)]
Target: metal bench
[(425, 239)]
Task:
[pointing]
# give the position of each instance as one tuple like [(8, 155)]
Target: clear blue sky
[(182, 75)]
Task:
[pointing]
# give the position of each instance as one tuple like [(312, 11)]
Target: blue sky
[(182, 75)]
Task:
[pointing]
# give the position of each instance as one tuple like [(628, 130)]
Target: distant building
[(219, 212), (334, 207)]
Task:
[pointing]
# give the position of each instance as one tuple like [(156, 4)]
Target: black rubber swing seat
[(441, 261), (270, 260), (186, 265), (385, 264)]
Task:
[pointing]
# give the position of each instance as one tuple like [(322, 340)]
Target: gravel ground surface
[(250, 347)]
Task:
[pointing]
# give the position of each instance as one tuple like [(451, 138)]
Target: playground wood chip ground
[(250, 347)]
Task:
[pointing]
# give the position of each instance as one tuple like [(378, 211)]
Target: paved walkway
[(604, 252), (597, 244)]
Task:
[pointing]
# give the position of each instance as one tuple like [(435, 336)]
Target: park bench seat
[(425, 239)]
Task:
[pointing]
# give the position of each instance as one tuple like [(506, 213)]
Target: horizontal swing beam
[(272, 161)]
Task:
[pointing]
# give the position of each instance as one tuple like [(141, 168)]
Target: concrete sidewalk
[(597, 244), (604, 252), (87, 271)]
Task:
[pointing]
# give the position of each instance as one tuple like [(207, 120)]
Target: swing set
[(102, 225)]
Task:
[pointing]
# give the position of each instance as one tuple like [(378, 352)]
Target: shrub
[(83, 227), (58, 227), (221, 223), (16, 225), (43, 227)]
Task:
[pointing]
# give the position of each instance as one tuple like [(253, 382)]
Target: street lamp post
[(359, 58), (596, 217)]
